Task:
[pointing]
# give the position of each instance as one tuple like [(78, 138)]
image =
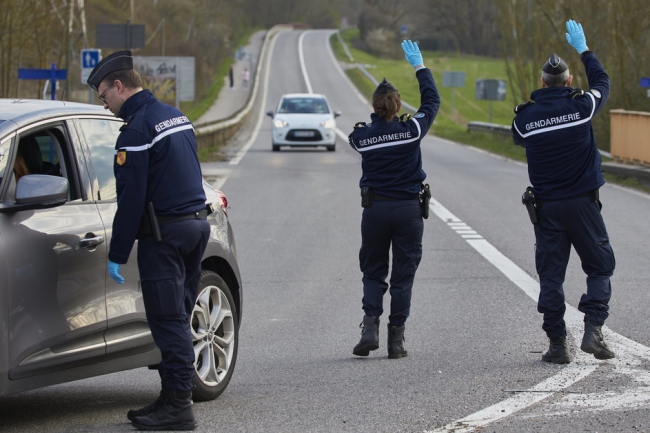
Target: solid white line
[(301, 56), (582, 365), (261, 115)]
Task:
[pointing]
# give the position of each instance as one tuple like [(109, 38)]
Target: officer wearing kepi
[(394, 201), (161, 203), (565, 173)]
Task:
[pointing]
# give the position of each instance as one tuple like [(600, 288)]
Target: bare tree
[(617, 32)]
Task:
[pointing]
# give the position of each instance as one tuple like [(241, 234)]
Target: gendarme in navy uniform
[(160, 202), (391, 184), (564, 168)]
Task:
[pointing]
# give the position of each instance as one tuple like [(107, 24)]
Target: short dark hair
[(130, 78), (386, 105)]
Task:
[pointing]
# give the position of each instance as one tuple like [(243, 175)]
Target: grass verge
[(458, 105)]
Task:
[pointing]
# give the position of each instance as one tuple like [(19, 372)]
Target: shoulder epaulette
[(359, 125), (576, 92), (520, 107), (405, 117)]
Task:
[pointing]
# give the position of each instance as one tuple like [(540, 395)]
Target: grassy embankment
[(459, 105)]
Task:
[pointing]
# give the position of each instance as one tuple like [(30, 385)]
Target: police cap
[(554, 65), (117, 61), (384, 87)]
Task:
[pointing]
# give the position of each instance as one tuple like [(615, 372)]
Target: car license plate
[(303, 134)]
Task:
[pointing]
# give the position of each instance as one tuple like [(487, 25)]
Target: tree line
[(524, 33)]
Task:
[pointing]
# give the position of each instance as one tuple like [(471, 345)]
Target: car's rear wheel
[(215, 335)]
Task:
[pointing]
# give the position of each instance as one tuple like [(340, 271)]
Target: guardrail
[(215, 133), (503, 130)]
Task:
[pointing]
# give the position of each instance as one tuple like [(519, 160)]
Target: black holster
[(528, 199), (149, 224), (366, 196), (425, 199)]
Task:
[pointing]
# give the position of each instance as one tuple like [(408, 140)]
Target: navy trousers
[(170, 272), (563, 223), (396, 223)]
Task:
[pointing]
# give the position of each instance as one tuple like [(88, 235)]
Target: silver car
[(304, 119), (61, 317)]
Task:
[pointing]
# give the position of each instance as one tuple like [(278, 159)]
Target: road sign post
[(492, 90), (51, 74), (453, 79)]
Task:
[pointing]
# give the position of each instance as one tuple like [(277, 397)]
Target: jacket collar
[(134, 103)]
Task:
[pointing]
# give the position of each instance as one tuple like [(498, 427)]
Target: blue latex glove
[(576, 37), (114, 272), (412, 53)]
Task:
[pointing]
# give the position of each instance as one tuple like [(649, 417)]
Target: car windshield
[(304, 105)]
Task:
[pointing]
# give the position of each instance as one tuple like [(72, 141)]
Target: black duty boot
[(175, 413), (396, 342), (557, 352), (593, 342), (369, 336), (150, 408)]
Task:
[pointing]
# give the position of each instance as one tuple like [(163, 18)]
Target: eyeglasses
[(101, 97)]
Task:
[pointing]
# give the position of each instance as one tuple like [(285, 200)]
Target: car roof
[(303, 95), (15, 113)]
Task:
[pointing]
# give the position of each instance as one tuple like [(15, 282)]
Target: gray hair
[(555, 80)]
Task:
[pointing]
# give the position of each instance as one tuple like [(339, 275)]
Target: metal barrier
[(503, 130), (215, 133)]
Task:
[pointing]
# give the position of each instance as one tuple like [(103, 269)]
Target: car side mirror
[(42, 190), (337, 113), (269, 113)]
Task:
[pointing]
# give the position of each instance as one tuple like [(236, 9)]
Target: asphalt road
[(474, 336)]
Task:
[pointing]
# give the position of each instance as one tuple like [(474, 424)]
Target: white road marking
[(629, 353), (261, 114), (301, 56)]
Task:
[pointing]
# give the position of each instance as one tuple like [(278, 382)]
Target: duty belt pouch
[(528, 199), (366, 196), (425, 198)]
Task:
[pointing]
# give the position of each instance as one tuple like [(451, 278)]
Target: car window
[(101, 135), (5, 147), (304, 105), (40, 151)]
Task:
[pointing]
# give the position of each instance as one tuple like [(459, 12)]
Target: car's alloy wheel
[(215, 336)]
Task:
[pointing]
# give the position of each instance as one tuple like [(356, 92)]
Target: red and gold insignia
[(121, 157)]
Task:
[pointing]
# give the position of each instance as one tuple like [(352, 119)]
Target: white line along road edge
[(582, 365)]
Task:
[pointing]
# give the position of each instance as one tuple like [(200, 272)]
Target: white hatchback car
[(304, 119)]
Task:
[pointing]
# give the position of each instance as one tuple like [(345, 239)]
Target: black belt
[(594, 195), (376, 196), (166, 219)]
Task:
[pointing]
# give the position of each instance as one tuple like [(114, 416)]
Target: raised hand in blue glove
[(412, 53), (576, 37), (114, 272)]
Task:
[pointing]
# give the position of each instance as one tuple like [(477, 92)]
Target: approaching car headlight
[(280, 123), (328, 123)]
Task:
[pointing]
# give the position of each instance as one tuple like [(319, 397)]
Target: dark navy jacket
[(155, 161), (555, 129), (390, 151)]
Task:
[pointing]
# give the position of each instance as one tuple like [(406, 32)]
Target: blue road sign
[(52, 74), (645, 82), (90, 57)]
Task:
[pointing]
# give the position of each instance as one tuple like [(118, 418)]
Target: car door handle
[(89, 242)]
